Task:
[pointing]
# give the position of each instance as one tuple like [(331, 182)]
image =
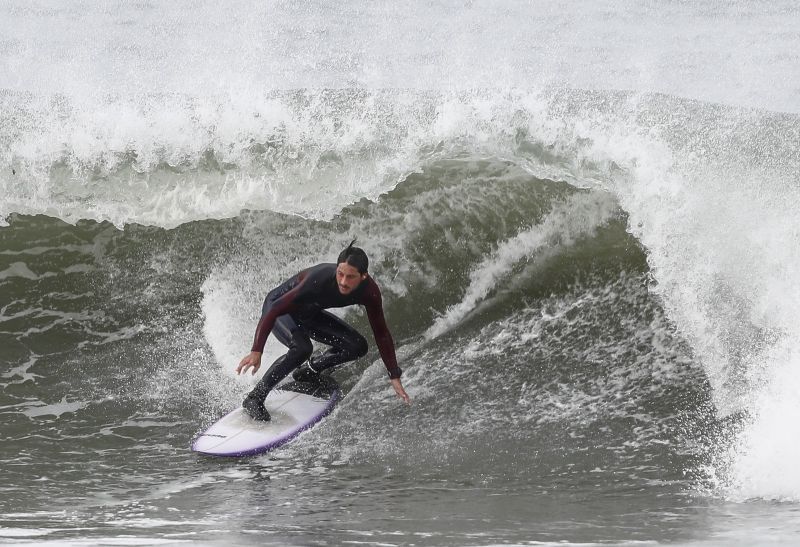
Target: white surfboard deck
[(294, 407)]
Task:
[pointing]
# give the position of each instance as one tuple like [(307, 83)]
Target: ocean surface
[(583, 218)]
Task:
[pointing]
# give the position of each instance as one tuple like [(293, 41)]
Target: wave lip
[(167, 159)]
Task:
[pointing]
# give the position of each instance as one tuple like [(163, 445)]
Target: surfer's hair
[(356, 257)]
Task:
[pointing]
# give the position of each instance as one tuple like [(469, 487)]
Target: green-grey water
[(582, 219), (565, 407)]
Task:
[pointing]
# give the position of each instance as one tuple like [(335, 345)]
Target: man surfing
[(295, 313)]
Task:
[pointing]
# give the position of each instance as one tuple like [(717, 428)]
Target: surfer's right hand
[(398, 388), (252, 360)]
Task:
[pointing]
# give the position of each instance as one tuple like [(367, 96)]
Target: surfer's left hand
[(398, 388)]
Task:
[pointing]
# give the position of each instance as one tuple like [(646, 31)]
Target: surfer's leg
[(347, 344), (300, 348)]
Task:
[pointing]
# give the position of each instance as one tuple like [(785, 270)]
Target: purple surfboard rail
[(328, 388)]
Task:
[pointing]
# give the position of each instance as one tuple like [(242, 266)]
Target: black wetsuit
[(294, 313)]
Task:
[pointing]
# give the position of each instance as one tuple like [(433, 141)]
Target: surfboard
[(294, 407)]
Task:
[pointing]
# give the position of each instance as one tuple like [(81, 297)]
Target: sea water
[(583, 219)]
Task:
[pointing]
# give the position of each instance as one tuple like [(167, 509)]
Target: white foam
[(167, 159), (22, 371), (20, 269), (764, 458), (124, 333), (722, 241), (23, 532), (739, 53), (55, 409)]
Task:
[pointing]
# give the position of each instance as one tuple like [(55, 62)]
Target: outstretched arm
[(385, 342)]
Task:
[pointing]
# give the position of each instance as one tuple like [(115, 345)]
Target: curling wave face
[(605, 276), (558, 363), (573, 161)]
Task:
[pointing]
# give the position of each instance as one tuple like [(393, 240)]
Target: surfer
[(295, 313)]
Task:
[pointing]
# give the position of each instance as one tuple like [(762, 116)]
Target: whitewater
[(583, 219)]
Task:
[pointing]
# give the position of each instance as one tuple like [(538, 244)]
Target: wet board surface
[(294, 407)]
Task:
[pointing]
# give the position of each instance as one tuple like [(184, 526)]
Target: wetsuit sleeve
[(383, 338), (281, 306)]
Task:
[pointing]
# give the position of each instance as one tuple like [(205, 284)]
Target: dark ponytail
[(355, 257)]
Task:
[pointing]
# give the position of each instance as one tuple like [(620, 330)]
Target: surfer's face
[(348, 277)]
